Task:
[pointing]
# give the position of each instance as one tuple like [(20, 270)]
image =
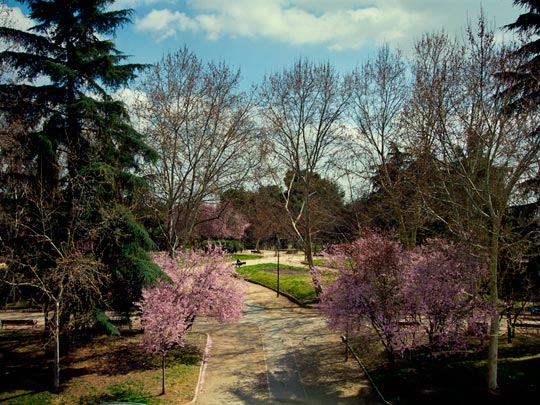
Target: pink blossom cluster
[(220, 221), (200, 284), (429, 296)]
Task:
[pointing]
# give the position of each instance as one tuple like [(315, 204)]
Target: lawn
[(102, 369), (459, 378), (317, 262), (294, 281), (245, 256)]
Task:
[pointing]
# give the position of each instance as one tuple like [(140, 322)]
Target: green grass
[(458, 378), (101, 370), (245, 256), (293, 280), (317, 262)]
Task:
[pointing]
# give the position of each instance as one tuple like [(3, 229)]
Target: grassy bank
[(245, 256), (103, 369), (293, 280)]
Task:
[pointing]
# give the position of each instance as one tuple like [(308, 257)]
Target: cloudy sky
[(262, 36)]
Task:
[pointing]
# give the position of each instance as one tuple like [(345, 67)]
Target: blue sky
[(262, 36)]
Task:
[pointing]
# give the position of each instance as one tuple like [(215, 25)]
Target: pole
[(277, 247)]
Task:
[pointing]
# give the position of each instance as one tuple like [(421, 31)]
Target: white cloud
[(132, 98), (16, 19), (337, 24), (123, 4), (166, 23)]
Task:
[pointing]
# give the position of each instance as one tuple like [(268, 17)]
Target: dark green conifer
[(523, 82), (81, 153)]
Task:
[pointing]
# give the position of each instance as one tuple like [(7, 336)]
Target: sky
[(264, 36)]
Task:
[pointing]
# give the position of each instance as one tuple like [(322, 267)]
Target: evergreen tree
[(523, 83), (79, 154)]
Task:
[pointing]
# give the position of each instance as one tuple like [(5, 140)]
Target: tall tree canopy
[(301, 112), (69, 153), (483, 151), (194, 114)]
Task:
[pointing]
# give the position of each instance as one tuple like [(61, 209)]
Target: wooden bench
[(18, 322), (238, 263)]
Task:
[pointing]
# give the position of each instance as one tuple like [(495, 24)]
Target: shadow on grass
[(461, 379), (25, 364), (118, 395), (26, 368)]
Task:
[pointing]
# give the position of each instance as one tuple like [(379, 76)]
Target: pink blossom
[(425, 297), (368, 288), (443, 295), (220, 221), (200, 284)]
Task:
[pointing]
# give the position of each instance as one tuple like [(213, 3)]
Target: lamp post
[(278, 246)]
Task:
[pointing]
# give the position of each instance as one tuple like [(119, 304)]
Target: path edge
[(202, 369)]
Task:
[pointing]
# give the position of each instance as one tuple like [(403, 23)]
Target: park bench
[(239, 263), (534, 309), (18, 322)]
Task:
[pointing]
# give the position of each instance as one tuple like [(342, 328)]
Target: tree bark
[(163, 374), (57, 347), (494, 294)]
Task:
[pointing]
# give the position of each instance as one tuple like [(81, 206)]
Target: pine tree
[(80, 153), (523, 83)]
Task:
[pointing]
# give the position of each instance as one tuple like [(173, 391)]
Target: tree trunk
[(163, 374), (308, 250), (494, 297), (56, 370), (509, 325), (46, 315)]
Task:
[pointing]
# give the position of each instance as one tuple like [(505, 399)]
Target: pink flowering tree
[(199, 284), (443, 296), (428, 297), (220, 221), (369, 288)]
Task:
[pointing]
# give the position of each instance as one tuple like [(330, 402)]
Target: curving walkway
[(278, 354)]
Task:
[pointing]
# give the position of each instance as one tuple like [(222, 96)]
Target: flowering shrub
[(220, 221), (425, 297), (368, 288), (443, 292)]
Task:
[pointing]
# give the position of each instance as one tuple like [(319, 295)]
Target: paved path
[(278, 354)]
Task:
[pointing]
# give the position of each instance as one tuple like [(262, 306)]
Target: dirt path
[(278, 353), (270, 256)]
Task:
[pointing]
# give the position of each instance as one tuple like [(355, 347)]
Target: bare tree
[(482, 151), (301, 112), (75, 286), (194, 115), (380, 95)]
